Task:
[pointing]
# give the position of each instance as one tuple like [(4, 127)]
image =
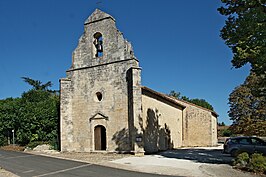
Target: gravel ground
[(94, 158), (158, 164), (4, 173)]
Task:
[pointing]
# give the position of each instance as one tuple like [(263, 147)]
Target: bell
[(99, 48)]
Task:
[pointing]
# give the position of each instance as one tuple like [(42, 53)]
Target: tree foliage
[(9, 113), (175, 94), (36, 84), (221, 124), (34, 116), (248, 110), (245, 32), (200, 102)]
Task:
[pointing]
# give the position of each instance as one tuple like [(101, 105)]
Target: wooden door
[(100, 138)]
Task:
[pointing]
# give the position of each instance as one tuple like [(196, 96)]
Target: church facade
[(104, 107)]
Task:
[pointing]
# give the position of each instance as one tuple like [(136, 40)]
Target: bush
[(257, 163), (3, 140), (226, 133), (254, 163), (54, 145), (34, 144), (242, 160)]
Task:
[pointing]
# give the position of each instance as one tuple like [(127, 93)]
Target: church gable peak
[(98, 15), (101, 43)]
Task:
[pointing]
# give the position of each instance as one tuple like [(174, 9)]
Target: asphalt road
[(28, 165)]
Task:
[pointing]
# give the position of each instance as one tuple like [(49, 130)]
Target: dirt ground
[(4, 173), (12, 148)]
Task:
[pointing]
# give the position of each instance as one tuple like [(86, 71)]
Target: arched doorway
[(100, 137)]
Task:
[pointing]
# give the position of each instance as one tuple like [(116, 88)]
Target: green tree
[(9, 118), (34, 116), (247, 110), (221, 124), (175, 94), (200, 102), (245, 32), (185, 98), (39, 115), (226, 132), (36, 84)]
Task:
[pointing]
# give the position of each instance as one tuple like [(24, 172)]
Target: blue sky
[(177, 43)]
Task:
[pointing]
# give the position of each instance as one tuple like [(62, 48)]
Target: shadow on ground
[(212, 156)]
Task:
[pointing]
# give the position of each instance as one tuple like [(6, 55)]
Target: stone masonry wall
[(162, 123), (89, 75), (199, 126)]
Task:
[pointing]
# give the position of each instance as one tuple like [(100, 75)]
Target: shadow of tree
[(122, 140), (212, 156), (155, 137)]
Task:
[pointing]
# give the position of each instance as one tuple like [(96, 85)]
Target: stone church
[(104, 107)]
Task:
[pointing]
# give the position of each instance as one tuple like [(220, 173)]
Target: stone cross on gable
[(98, 3)]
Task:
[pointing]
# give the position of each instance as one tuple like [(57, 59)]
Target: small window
[(99, 96), (234, 141), (256, 141), (244, 141), (97, 45)]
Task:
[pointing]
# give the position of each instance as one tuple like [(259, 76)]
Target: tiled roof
[(164, 96), (177, 101)]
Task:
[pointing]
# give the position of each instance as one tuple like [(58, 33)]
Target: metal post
[(8, 137), (13, 132)]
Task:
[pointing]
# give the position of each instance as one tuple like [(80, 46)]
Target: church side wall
[(161, 124), (199, 126)]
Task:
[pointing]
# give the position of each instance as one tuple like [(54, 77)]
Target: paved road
[(28, 165)]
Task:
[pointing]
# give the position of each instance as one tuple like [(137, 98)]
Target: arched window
[(97, 45)]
